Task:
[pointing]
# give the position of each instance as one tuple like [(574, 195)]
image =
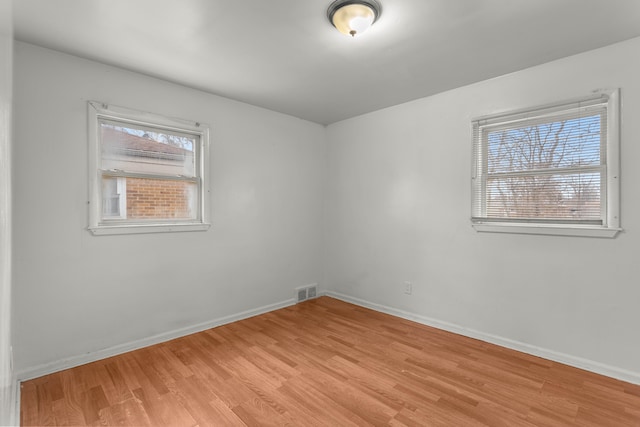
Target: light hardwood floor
[(327, 363)]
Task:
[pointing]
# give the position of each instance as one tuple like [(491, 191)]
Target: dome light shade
[(353, 17)]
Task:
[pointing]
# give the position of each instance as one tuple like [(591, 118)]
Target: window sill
[(103, 230), (547, 230)]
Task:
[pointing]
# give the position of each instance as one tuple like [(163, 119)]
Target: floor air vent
[(305, 293)]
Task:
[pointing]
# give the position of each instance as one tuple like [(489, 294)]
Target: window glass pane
[(566, 143), (110, 197), (568, 196), (146, 150), (155, 199)]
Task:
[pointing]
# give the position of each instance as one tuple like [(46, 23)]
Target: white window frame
[(98, 111), (610, 187)]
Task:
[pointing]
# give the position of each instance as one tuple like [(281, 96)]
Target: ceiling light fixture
[(353, 17)]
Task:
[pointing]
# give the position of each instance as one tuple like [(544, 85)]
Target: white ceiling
[(284, 55)]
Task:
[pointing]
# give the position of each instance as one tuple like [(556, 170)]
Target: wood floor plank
[(71, 398), (327, 363), (93, 401), (127, 413)]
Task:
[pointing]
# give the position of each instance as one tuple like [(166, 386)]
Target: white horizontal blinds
[(157, 168), (542, 166), (478, 178)]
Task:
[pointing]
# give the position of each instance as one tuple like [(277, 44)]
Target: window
[(114, 197), (550, 170), (147, 172)]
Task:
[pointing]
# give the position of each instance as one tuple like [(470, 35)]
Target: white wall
[(76, 293), (398, 209), (7, 404)]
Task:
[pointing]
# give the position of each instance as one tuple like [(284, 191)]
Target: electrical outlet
[(408, 288)]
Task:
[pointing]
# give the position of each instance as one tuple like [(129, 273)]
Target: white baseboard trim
[(578, 362), (71, 362)]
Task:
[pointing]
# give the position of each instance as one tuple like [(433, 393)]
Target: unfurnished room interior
[(319, 212)]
